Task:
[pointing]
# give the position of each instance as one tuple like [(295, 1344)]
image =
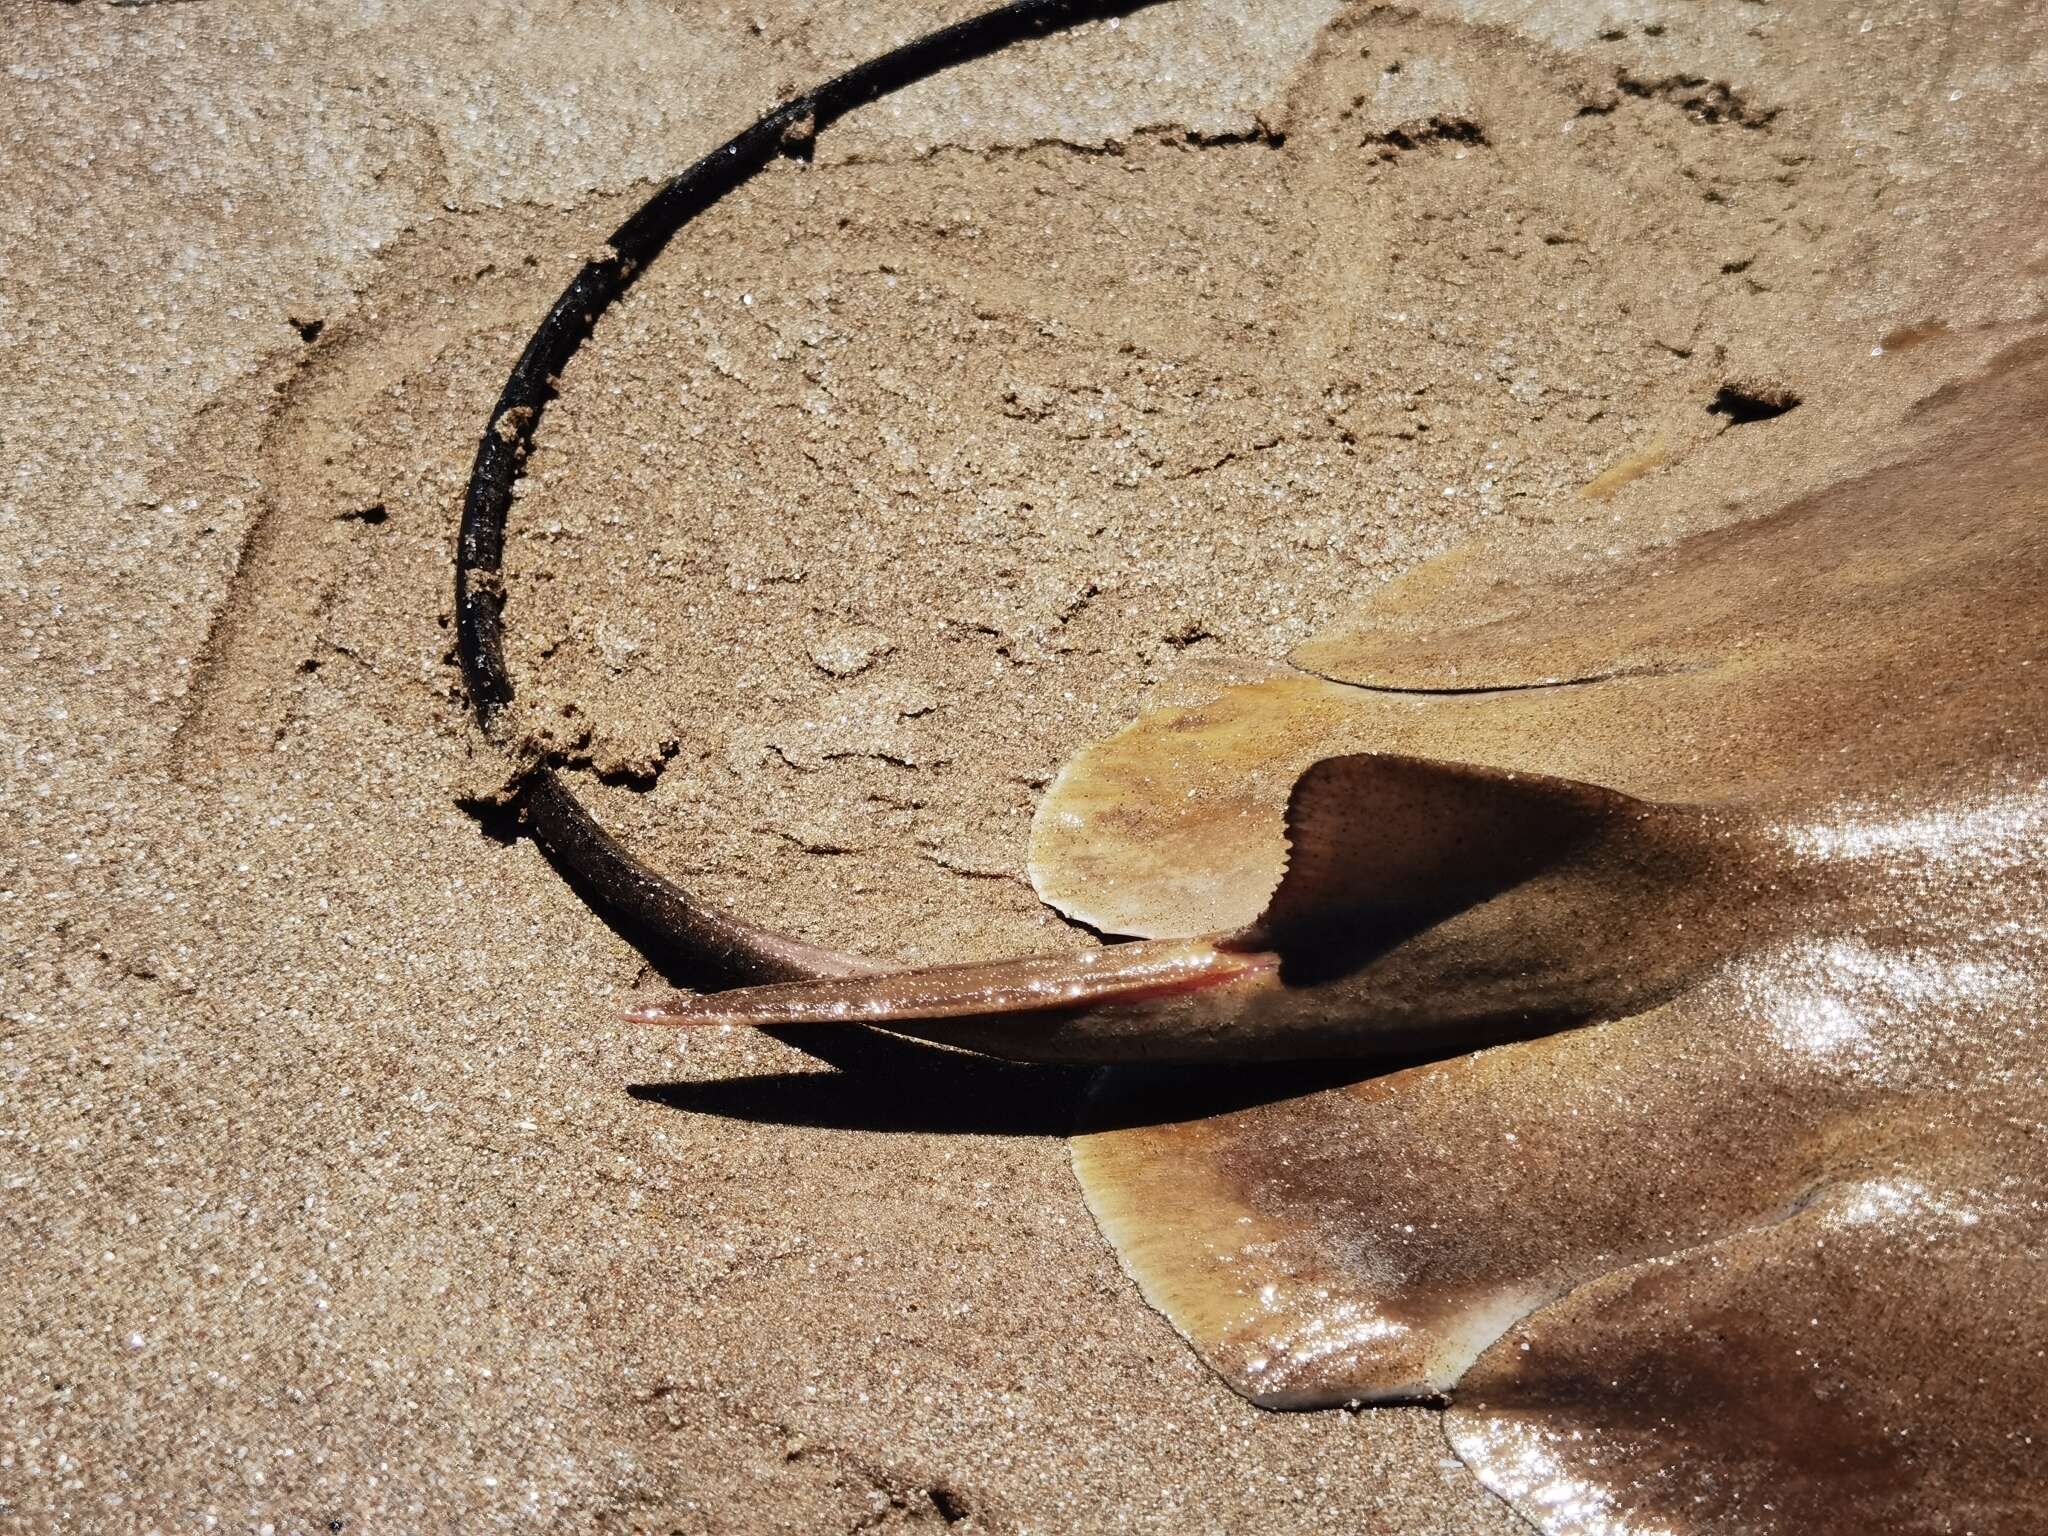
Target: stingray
[(1690, 892)]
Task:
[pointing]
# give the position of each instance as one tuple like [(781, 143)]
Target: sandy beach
[(336, 1196)]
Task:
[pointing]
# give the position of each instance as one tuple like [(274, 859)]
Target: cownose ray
[(1736, 841)]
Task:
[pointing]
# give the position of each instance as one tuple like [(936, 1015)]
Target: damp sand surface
[(336, 1196)]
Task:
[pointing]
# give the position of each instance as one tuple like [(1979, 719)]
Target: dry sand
[(335, 1198)]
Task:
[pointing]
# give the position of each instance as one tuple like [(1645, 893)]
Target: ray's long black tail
[(682, 936)]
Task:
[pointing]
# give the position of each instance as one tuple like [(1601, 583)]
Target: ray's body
[(1758, 1246)]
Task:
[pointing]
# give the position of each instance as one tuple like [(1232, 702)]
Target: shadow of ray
[(929, 1091)]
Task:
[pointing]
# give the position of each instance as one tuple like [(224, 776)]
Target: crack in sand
[(1167, 135)]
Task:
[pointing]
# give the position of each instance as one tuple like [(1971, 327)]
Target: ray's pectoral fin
[(1368, 1241)]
